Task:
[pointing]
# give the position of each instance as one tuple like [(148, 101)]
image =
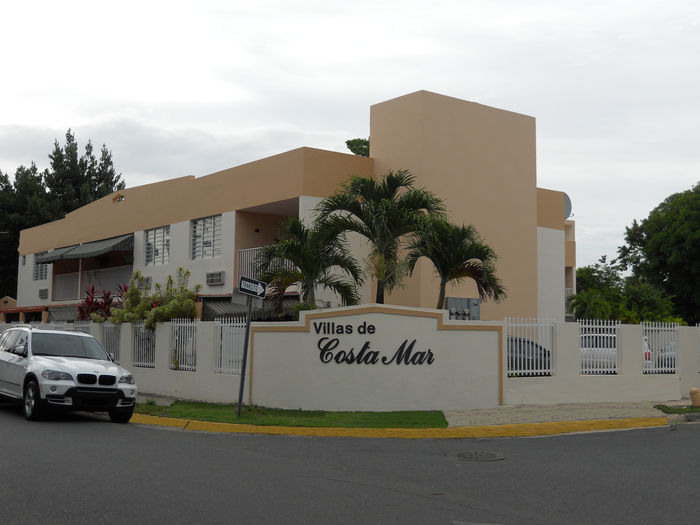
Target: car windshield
[(64, 345)]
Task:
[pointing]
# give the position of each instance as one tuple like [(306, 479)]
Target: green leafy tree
[(664, 250), (457, 253), (603, 293), (172, 300), (359, 147), (25, 203), (136, 301), (604, 276), (383, 211), (302, 256), (36, 197), (641, 301)]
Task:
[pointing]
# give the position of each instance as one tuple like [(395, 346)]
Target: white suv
[(63, 369)]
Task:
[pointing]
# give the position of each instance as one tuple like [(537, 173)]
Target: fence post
[(630, 350), (164, 352), (126, 346), (206, 349)]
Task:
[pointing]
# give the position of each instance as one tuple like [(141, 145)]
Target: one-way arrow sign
[(252, 287)]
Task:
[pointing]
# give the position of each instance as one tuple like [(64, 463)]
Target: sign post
[(251, 288)]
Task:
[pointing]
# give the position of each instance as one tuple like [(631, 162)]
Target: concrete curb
[(483, 431)]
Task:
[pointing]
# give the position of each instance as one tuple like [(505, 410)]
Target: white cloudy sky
[(187, 88)]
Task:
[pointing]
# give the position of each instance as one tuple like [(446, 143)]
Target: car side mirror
[(21, 350), (111, 357)]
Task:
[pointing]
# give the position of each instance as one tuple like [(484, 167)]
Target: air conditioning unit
[(215, 279), (44, 293)]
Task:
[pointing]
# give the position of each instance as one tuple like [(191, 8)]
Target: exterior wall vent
[(44, 293), (215, 279)]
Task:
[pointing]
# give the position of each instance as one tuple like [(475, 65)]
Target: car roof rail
[(75, 329)]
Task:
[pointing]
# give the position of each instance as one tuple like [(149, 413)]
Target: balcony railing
[(71, 286), (247, 266)]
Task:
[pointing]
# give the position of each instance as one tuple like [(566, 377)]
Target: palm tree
[(302, 256), (590, 304), (383, 211), (457, 253)]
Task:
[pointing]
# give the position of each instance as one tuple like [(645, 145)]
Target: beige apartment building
[(479, 160)]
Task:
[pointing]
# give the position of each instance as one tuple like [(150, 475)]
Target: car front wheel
[(32, 401), (121, 415)]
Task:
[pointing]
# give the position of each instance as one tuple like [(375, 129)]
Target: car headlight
[(56, 375), (129, 379)]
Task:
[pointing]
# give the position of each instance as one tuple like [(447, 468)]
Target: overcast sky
[(189, 88)]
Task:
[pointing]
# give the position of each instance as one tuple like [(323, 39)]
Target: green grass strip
[(222, 413)]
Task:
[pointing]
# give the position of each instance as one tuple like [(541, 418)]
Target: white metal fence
[(184, 344), (598, 346), (111, 334), (659, 347), (230, 334), (144, 346), (83, 326), (530, 347)]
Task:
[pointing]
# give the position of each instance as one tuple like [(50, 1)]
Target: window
[(206, 237), (157, 245), (40, 269)]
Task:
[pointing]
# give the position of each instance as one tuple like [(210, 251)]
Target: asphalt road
[(82, 469)]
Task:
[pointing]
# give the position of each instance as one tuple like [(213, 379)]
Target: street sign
[(252, 287)]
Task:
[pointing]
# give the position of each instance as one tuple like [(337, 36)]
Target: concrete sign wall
[(376, 358)]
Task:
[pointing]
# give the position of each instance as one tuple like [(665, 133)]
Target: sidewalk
[(506, 421), (560, 412)]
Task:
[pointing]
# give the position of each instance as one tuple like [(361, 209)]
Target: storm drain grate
[(479, 455)]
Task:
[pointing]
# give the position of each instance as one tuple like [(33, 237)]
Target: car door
[(7, 343), (17, 365)]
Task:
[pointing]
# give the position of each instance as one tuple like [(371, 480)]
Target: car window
[(10, 341), (65, 345), (21, 340), (2, 340)]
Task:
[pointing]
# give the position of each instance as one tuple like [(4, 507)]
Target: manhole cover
[(480, 455)]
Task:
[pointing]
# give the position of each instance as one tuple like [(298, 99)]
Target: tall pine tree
[(36, 197), (74, 180)]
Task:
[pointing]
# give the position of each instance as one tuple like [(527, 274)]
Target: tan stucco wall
[(481, 162), (550, 209), (570, 259), (246, 236), (303, 171)]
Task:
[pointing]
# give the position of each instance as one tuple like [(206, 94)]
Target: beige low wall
[(202, 384), (376, 358), (568, 385), (413, 359)]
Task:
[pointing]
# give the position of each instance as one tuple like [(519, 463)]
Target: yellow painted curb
[(511, 430), (144, 419)]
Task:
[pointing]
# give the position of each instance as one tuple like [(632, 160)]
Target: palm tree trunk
[(441, 297), (311, 295), (380, 291)]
